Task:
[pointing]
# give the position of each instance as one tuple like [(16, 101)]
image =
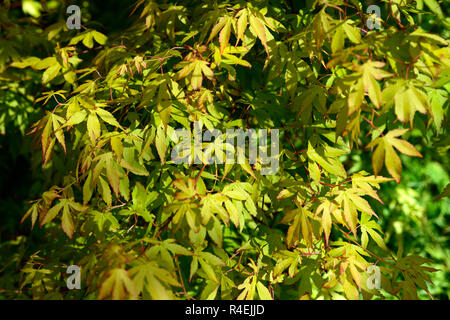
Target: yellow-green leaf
[(93, 127)]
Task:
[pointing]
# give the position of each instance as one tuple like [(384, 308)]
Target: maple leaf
[(300, 224), (408, 99), (117, 285), (385, 153)]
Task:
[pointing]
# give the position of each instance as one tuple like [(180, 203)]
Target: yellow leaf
[(405, 147), (186, 70), (350, 214), (117, 284), (355, 98), (378, 158), (355, 273), (373, 89), (164, 103), (58, 131), (67, 223), (338, 40), (107, 117), (105, 191), (361, 204), (93, 126), (224, 36), (402, 106), (326, 223), (161, 144), (352, 32), (112, 175), (263, 292), (306, 228), (233, 211), (50, 73), (196, 79), (350, 290), (117, 146), (242, 24), (258, 27), (393, 162), (215, 30), (206, 70), (236, 60)]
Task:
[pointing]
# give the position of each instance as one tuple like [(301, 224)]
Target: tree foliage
[(141, 226)]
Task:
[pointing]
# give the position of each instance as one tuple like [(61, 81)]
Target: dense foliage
[(88, 119)]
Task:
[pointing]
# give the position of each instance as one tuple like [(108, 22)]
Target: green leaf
[(105, 191), (33, 212), (161, 143), (88, 40), (208, 270), (67, 222), (210, 291), (112, 175), (444, 193), (50, 73), (352, 32), (107, 117), (53, 212), (329, 164), (338, 40), (99, 37), (27, 62)]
